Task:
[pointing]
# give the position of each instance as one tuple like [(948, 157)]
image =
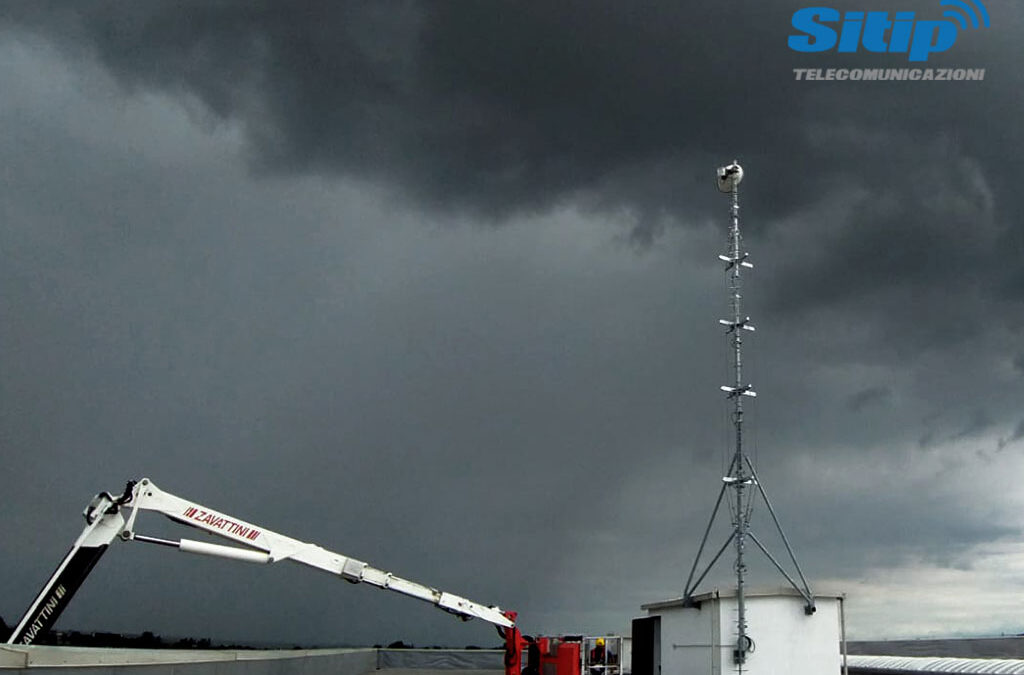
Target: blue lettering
[(819, 37), (849, 37), (902, 28), (874, 31), (906, 35), (931, 36)]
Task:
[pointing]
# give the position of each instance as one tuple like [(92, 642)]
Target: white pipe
[(204, 548), (842, 630)]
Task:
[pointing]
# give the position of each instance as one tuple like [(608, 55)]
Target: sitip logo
[(823, 29)]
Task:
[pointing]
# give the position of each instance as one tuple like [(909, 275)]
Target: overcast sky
[(435, 285)]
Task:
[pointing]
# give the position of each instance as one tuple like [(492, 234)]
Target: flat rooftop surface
[(44, 660)]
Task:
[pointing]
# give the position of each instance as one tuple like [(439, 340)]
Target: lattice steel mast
[(741, 478)]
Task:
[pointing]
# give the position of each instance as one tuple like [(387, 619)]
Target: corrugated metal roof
[(920, 664), (1002, 647)]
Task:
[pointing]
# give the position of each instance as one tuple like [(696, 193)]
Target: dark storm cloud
[(460, 409), (1016, 435), (501, 108), (869, 396), (979, 423), (492, 107)]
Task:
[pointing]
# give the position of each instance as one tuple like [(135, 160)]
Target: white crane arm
[(277, 547), (106, 522)]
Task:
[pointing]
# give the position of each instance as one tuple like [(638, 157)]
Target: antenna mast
[(741, 478)]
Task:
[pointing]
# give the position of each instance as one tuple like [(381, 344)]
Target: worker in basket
[(597, 657)]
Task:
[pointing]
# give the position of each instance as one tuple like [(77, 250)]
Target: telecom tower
[(741, 480)]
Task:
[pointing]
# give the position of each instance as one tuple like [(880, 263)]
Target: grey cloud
[(469, 405), (511, 108), (879, 207), (1016, 435), (493, 108), (979, 423), (869, 396)]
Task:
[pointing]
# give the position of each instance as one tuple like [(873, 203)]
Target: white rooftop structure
[(697, 636)]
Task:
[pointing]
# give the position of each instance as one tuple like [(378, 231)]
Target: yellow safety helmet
[(600, 642)]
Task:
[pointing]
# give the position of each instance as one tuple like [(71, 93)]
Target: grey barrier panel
[(44, 660), (441, 659), (51, 661)]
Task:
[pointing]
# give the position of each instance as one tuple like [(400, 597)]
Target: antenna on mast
[(742, 478)]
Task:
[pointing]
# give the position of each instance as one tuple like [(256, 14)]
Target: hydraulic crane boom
[(105, 522)]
